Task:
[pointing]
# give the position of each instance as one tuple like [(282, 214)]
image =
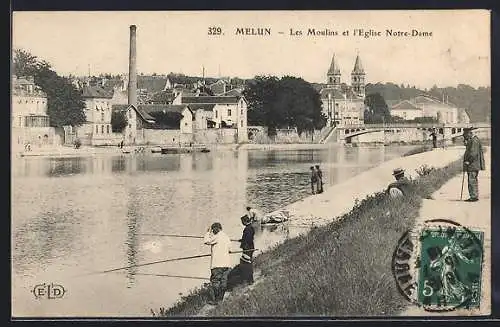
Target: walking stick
[(462, 190)]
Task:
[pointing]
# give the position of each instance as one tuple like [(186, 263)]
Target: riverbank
[(69, 151), (343, 266)]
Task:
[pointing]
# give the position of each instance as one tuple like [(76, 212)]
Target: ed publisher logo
[(48, 291)]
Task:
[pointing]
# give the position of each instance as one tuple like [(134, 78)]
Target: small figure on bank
[(434, 138), (401, 186), (319, 186), (473, 163), (220, 261), (247, 245), (253, 214), (314, 179)]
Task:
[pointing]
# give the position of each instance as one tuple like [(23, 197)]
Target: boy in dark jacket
[(247, 245)]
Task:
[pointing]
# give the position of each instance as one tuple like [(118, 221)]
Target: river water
[(74, 217)]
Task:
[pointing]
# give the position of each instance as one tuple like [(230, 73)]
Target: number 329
[(214, 31)]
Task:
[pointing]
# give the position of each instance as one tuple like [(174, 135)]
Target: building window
[(102, 116), (215, 113), (96, 129), (241, 123), (229, 112), (107, 129), (102, 129), (241, 112)]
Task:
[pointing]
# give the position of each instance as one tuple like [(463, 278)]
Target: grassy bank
[(341, 269)]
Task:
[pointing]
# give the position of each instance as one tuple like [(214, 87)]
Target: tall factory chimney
[(132, 68)]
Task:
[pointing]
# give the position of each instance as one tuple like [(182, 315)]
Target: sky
[(458, 51)]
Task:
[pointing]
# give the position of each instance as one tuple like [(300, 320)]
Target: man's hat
[(246, 258), (398, 171), (467, 130)]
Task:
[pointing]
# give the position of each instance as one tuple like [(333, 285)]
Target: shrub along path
[(343, 267)]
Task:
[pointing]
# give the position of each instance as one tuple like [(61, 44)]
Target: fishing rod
[(175, 235), (175, 276), (167, 260)]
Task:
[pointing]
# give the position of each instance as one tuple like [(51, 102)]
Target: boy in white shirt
[(220, 262)]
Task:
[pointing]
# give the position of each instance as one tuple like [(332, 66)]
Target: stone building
[(344, 104), (29, 119)]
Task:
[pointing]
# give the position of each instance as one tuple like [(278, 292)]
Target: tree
[(377, 110), (65, 104), (118, 121), (286, 102)]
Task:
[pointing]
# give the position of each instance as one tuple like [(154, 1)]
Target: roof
[(234, 92), (152, 108), (358, 67), (405, 105), (96, 92), (334, 68), (202, 106), (337, 94), (425, 99), (144, 115), (151, 83), (218, 82), (211, 99)]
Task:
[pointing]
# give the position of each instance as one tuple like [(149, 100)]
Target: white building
[(442, 111), (97, 128), (226, 112), (406, 110), (29, 120)]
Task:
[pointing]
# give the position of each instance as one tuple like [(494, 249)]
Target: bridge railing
[(417, 125)]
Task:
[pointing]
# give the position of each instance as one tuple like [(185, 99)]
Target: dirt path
[(475, 215)]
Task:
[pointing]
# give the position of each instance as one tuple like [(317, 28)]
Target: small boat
[(183, 149)]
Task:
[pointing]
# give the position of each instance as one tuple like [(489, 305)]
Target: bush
[(118, 121), (77, 143)]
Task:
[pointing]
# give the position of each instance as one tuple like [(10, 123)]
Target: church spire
[(334, 68), (358, 78), (333, 74), (358, 67)]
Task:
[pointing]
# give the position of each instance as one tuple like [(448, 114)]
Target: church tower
[(333, 75), (358, 78)]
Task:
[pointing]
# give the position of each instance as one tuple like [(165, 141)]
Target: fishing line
[(175, 235), (166, 260), (175, 276)]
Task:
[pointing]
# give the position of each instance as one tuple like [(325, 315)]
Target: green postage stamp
[(449, 271), (438, 266)]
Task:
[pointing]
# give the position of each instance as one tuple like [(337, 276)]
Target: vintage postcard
[(175, 164)]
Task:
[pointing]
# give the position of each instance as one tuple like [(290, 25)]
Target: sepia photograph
[(202, 164)]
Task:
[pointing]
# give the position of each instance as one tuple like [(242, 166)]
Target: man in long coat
[(473, 163)]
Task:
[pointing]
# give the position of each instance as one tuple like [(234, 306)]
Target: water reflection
[(49, 236), (133, 218)]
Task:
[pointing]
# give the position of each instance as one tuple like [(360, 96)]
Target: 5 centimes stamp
[(438, 266), (449, 275)]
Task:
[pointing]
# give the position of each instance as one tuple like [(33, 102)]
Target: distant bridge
[(449, 131)]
